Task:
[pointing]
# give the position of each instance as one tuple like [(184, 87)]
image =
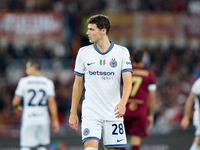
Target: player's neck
[(103, 45), (138, 65), (35, 74)]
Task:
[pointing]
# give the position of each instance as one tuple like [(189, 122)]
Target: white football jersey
[(196, 90), (35, 90), (102, 78)]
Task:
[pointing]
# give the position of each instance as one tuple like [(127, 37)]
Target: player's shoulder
[(45, 79), (37, 78), (143, 71), (24, 79), (86, 48), (150, 71), (141, 68), (120, 47), (197, 81), (151, 74), (196, 86)]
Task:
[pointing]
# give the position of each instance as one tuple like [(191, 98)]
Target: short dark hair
[(101, 21), (35, 63), (137, 55)]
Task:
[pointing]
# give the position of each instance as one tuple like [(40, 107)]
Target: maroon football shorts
[(135, 126)]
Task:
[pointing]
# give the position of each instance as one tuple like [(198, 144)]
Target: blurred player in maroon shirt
[(140, 107)]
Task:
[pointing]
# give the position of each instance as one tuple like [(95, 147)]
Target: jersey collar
[(109, 49), (33, 75)]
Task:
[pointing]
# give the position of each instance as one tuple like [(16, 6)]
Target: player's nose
[(88, 32)]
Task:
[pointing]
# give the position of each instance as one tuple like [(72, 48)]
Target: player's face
[(29, 69), (94, 33)]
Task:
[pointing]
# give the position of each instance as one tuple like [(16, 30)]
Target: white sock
[(90, 148), (25, 148), (194, 147), (41, 148)]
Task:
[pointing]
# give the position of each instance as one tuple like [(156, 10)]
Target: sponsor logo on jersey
[(128, 63), (113, 63), (35, 115), (102, 62), (103, 74)]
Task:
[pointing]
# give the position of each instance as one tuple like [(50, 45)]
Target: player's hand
[(120, 110), (185, 122), (73, 122), (18, 110), (149, 122), (55, 126)]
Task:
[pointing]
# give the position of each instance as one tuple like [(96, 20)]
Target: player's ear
[(32, 68), (143, 60), (103, 31)]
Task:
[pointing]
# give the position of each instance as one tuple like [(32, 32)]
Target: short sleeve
[(196, 87), (79, 65), (152, 82), (51, 90), (19, 89), (126, 61)]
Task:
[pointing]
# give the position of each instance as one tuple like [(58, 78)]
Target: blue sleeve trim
[(78, 73), (34, 146), (90, 138), (115, 145), (18, 95), (50, 96), (127, 70)]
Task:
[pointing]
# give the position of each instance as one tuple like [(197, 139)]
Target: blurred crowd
[(91, 6), (176, 68)]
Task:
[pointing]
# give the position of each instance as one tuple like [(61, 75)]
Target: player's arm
[(127, 86), (76, 95), (54, 114), (188, 107), (151, 105), (15, 102)]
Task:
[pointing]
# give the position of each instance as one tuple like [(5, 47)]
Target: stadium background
[(54, 30)]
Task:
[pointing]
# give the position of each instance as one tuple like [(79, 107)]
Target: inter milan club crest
[(113, 63), (86, 131)]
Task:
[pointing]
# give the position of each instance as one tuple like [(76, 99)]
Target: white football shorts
[(196, 123), (113, 132), (33, 136)]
